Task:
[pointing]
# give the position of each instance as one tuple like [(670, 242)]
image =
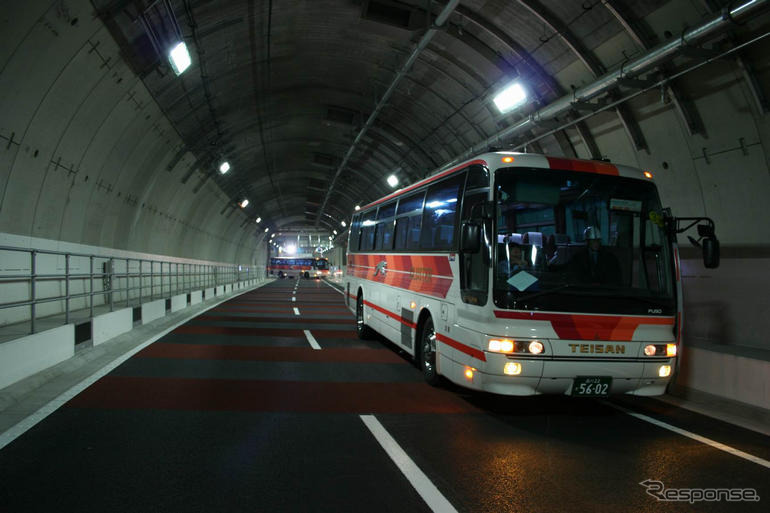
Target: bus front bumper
[(548, 376)]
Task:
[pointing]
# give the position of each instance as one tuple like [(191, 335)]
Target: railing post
[(128, 287), (91, 290), (32, 277), (141, 281), (67, 288), (111, 272)]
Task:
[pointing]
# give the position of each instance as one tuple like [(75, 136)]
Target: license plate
[(591, 386)]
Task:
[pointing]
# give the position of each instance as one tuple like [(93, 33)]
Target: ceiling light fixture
[(343, 224), (392, 180), (224, 167), (511, 97), (179, 58), (259, 220), (244, 203)]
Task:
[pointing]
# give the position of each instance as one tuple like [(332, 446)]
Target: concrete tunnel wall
[(84, 151)]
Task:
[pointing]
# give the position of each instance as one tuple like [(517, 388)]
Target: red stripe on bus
[(585, 166), (589, 327), (470, 351), (390, 314), (426, 181)]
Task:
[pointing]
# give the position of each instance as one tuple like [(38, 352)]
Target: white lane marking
[(30, 421), (427, 490), (699, 438), (312, 340), (334, 288), (296, 311)]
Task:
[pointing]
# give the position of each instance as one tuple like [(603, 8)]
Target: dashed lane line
[(296, 311), (417, 478), (311, 339)]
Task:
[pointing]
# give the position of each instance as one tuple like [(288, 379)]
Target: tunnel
[(384, 255)]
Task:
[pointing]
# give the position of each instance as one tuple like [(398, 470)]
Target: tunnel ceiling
[(281, 89)]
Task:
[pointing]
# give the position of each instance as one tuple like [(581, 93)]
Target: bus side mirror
[(710, 252), (470, 238), (710, 246)]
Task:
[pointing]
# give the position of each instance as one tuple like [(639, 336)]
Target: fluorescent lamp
[(358, 208), (392, 180), (511, 97), (343, 224), (267, 230), (259, 219), (224, 167), (179, 58), (244, 203), (334, 231), (291, 249)]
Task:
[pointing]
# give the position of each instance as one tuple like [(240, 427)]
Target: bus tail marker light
[(512, 368)]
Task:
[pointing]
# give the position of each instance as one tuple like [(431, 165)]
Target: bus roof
[(500, 159)]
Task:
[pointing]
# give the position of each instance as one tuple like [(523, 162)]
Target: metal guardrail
[(118, 280)]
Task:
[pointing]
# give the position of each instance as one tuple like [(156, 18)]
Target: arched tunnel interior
[(120, 165)]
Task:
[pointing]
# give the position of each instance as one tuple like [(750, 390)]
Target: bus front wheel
[(280, 274), (362, 330), (428, 353)]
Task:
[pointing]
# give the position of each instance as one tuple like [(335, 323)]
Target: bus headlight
[(508, 346), (501, 345), (512, 368), (536, 347), (664, 371), (649, 350)]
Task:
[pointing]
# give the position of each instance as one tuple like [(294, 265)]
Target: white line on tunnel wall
[(699, 438), (417, 478), (312, 340)]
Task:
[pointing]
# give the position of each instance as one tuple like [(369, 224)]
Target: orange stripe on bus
[(589, 327)]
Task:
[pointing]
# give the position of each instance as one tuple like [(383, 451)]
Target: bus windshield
[(580, 242), (322, 264)]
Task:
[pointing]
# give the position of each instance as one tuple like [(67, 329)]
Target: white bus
[(523, 274)]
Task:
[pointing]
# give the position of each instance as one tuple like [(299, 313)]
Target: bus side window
[(440, 214), (367, 230), (384, 231), (409, 215), (402, 232), (474, 267), (355, 233)]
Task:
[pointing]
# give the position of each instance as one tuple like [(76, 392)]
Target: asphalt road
[(268, 403)]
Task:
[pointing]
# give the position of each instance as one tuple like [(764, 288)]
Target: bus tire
[(363, 331), (280, 274), (428, 353), (307, 275)]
